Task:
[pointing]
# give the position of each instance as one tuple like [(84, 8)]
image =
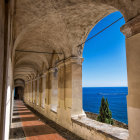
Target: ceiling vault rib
[(37, 52)]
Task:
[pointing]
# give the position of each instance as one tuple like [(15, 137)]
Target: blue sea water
[(116, 98)]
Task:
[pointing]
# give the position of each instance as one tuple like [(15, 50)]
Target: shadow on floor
[(28, 126), (14, 120), (60, 130), (30, 131), (21, 109), (17, 133), (38, 130), (23, 113)]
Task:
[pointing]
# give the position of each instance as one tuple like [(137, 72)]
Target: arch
[(101, 71), (19, 83), (28, 69), (85, 38)]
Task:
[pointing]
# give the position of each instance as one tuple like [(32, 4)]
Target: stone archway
[(104, 61)]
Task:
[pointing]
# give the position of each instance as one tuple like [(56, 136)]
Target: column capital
[(60, 64), (51, 70), (132, 27), (77, 60), (45, 73)]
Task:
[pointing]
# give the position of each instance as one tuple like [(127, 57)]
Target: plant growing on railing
[(105, 114)]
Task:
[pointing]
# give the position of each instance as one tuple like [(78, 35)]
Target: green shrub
[(105, 115)]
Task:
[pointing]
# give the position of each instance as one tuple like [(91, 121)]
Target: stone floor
[(27, 124)]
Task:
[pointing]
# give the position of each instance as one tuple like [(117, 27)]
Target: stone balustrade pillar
[(132, 32)]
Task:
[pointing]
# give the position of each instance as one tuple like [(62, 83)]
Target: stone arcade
[(53, 82)]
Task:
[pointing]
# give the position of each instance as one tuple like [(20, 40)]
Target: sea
[(116, 97)]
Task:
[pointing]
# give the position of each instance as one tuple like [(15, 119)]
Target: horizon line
[(105, 86)]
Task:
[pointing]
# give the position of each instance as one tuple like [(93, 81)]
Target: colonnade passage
[(41, 48), (29, 125)]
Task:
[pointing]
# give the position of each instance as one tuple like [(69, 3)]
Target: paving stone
[(30, 125)]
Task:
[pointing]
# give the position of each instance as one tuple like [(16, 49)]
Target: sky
[(105, 55)]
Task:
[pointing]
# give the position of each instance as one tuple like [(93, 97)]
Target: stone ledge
[(54, 110), (94, 116), (113, 132)]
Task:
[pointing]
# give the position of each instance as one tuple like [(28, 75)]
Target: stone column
[(47, 90), (2, 68), (73, 85), (51, 79), (43, 90), (30, 91), (35, 91), (5, 55), (132, 32), (61, 85), (54, 89), (33, 87), (37, 97), (24, 95), (40, 91)]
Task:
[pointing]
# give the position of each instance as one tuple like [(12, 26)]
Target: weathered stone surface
[(116, 123), (106, 129)]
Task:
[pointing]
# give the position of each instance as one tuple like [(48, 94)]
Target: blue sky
[(105, 55)]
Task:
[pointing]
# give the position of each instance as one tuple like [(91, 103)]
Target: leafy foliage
[(105, 113)]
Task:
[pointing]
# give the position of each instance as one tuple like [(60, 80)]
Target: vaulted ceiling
[(57, 26)]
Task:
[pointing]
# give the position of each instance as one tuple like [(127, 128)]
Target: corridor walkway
[(27, 125)]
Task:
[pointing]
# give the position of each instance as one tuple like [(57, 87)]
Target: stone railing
[(116, 123), (94, 130)]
